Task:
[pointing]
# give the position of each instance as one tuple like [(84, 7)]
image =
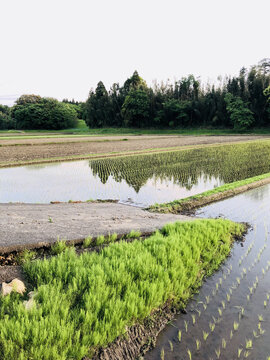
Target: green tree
[(98, 107), (241, 116), (46, 113), (136, 109)]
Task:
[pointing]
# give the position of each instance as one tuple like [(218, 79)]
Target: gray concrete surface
[(36, 225)]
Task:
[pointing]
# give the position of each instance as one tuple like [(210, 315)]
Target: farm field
[(230, 317), (141, 180), (148, 278), (81, 147)]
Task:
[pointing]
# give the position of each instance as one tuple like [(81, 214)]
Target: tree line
[(238, 102)]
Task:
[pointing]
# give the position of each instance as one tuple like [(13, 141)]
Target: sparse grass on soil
[(207, 197), (87, 301), (66, 151)]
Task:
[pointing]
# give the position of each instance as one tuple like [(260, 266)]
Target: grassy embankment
[(207, 197), (84, 302), (82, 129)]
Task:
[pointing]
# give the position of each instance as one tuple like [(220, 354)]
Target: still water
[(77, 181), (235, 301)]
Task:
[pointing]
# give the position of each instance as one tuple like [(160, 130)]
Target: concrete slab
[(36, 225)]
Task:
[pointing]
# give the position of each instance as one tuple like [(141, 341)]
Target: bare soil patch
[(66, 150)]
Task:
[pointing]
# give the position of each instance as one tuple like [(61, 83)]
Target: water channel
[(233, 305)]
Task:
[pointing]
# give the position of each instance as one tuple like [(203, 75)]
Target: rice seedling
[(179, 335), (260, 329), (87, 242), (198, 344), (189, 354), (218, 353), (235, 326), (228, 297), (112, 238), (100, 240), (255, 334), (59, 247), (162, 354), (26, 255), (186, 325), (239, 352), (205, 335), (171, 345), (246, 354), (249, 344), (223, 304), (116, 287), (260, 317), (223, 343), (212, 326), (220, 311), (193, 319), (133, 234), (231, 335)]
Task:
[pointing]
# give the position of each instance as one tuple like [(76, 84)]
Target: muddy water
[(234, 302)]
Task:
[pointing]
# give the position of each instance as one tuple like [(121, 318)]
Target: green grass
[(83, 130), (178, 205), (86, 301)]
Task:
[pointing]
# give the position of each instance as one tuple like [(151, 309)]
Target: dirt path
[(72, 139), (13, 154), (35, 225)]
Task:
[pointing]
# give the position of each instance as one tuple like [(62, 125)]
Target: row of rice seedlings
[(230, 163), (236, 324)]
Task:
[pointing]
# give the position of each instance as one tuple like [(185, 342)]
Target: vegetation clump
[(86, 301)]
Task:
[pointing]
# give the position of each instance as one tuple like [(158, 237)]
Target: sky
[(62, 48)]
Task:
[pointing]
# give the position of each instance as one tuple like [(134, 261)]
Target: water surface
[(138, 180)]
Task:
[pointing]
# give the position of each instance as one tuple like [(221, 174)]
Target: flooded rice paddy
[(138, 180), (230, 317)]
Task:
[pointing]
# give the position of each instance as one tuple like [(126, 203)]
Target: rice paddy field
[(230, 317), (89, 306), (139, 180)]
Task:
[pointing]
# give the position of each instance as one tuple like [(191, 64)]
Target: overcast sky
[(62, 48)]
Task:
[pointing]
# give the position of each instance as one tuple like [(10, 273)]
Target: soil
[(61, 148), (139, 338)]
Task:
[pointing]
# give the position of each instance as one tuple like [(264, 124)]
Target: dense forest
[(239, 102)]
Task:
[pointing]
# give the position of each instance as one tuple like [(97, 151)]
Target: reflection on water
[(76, 181), (139, 180), (237, 295)]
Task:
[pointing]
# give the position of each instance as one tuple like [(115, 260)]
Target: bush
[(43, 113)]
